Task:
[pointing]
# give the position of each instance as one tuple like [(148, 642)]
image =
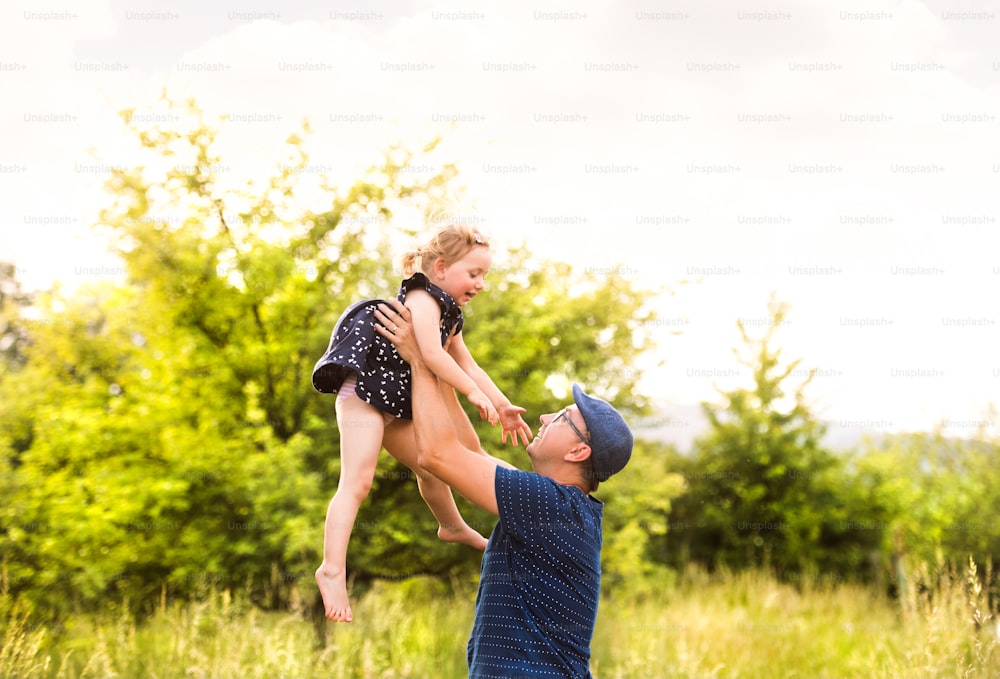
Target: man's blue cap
[(610, 437)]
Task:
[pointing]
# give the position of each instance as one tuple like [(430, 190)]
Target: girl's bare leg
[(466, 432), (361, 431), (401, 444)]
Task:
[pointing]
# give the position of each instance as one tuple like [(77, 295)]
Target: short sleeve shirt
[(540, 581)]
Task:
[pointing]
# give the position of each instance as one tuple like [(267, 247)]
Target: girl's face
[(463, 279)]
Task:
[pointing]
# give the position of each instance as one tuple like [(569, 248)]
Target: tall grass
[(730, 625), (750, 625), (22, 645)]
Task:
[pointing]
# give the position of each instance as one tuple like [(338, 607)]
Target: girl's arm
[(510, 414), (426, 315)]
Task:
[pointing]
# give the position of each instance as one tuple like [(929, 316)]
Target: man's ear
[(578, 453)]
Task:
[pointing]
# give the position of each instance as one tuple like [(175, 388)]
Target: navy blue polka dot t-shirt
[(540, 581)]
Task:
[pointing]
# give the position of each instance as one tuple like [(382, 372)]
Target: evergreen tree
[(762, 489)]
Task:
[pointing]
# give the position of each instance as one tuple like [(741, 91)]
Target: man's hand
[(394, 325)]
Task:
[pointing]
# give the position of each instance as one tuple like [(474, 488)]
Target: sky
[(841, 157)]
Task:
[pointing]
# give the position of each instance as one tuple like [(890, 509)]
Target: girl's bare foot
[(462, 534), (333, 587)]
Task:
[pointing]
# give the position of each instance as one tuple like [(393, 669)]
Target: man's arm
[(438, 448)]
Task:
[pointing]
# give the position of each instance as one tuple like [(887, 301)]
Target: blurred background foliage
[(161, 437)]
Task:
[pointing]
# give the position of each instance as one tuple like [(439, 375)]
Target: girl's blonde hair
[(450, 243)]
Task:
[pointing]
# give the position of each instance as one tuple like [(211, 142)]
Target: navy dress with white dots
[(383, 377)]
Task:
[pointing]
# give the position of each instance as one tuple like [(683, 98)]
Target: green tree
[(936, 497), (13, 333), (14, 328), (640, 501), (167, 436), (762, 489)]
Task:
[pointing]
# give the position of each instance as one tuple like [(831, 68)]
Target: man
[(541, 573)]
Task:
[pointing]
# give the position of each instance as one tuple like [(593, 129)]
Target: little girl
[(372, 384)]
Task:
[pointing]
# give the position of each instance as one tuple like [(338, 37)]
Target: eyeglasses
[(564, 413)]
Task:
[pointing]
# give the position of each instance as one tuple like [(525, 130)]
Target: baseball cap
[(610, 437)]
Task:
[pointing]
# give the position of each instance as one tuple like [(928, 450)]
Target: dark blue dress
[(355, 347)]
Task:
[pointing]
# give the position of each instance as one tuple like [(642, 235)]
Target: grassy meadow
[(741, 625)]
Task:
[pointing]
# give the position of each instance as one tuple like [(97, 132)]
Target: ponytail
[(450, 243)]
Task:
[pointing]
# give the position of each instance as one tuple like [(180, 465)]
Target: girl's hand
[(513, 424), (486, 409)]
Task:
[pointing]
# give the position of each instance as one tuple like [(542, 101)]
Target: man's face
[(464, 279), (557, 434)]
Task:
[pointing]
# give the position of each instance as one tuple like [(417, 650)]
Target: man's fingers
[(385, 326), (398, 308), (391, 318)]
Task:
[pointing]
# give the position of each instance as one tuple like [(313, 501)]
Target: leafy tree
[(14, 327), (936, 498), (13, 333), (541, 325), (167, 437), (640, 499), (762, 490)]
